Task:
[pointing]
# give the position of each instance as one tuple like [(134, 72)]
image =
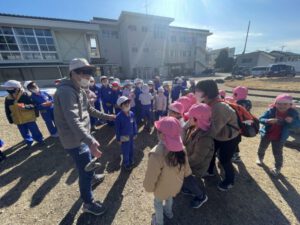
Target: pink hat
[(177, 107), (230, 99), (222, 93), (171, 129), (284, 98), (240, 93), (186, 102), (192, 98), (202, 113)]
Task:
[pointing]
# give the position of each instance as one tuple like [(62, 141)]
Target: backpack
[(248, 123)]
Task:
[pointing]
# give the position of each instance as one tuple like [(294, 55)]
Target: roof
[(148, 16), (275, 53), (43, 18), (256, 53), (104, 19), (191, 29)]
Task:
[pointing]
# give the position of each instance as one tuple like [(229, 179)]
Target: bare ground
[(39, 186)]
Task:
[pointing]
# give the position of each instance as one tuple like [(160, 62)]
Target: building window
[(159, 31), (93, 46), (18, 43), (144, 29), (132, 27), (115, 34), (106, 33), (134, 50)]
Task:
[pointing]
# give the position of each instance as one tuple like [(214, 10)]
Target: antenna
[(246, 38)]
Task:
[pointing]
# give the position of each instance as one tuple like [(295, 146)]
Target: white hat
[(165, 83), (103, 77), (127, 82), (121, 100), (77, 63), (160, 89), (150, 82), (12, 84), (138, 80), (26, 83)]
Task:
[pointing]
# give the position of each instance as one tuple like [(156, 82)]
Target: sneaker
[(275, 172), (259, 162), (128, 167), (224, 187), (187, 192), (198, 202), (208, 174), (98, 178), (236, 158), (92, 165), (95, 208)]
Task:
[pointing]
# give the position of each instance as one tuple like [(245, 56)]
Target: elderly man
[(71, 113)]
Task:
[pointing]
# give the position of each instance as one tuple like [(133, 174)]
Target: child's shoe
[(92, 165), (236, 158), (198, 202), (275, 172), (259, 162)]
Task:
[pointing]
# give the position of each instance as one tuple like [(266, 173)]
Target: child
[(160, 103), (176, 90), (145, 99), (167, 167), (20, 110), (126, 131), (166, 88), (186, 102), (192, 98), (240, 96), (176, 110), (222, 94), (276, 122), (138, 107), (115, 94), (127, 88), (97, 91), (105, 93), (2, 156), (200, 150), (44, 103)]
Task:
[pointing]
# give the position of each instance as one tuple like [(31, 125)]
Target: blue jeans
[(31, 127), (82, 156), (48, 117), (161, 209)]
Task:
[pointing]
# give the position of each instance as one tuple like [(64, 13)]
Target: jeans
[(82, 156), (226, 150), (190, 184), (160, 209), (277, 147)]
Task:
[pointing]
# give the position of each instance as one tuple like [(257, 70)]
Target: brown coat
[(200, 150), (164, 181)]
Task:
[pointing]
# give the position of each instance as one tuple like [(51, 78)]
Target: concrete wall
[(264, 60)]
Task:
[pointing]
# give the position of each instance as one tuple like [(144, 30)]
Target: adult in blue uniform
[(97, 91), (26, 125), (126, 130), (176, 90), (44, 103), (157, 82), (138, 106)]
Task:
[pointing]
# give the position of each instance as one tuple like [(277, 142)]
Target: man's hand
[(111, 117), (289, 119), (272, 121), (94, 149), (47, 104)]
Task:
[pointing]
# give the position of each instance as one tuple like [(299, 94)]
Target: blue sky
[(274, 23)]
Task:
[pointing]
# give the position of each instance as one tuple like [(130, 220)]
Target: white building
[(135, 45), (213, 54), (253, 59)]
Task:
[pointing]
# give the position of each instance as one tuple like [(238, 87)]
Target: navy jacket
[(125, 125), (105, 93), (97, 91), (175, 93), (40, 99), (271, 113)]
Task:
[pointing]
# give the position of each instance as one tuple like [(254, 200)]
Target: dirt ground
[(274, 83), (39, 186)]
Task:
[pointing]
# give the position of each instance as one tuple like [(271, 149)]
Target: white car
[(259, 71)]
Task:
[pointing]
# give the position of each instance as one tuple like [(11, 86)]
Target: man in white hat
[(20, 110), (72, 116)]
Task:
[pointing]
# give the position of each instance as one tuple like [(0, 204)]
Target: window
[(115, 34), (93, 46), (146, 50), (144, 29), (106, 33), (132, 27), (159, 31), (134, 50), (18, 43)]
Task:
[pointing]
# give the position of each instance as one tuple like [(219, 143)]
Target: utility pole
[(246, 38)]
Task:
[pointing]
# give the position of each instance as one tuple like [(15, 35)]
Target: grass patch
[(280, 84)]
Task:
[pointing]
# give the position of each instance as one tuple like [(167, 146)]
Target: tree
[(224, 62)]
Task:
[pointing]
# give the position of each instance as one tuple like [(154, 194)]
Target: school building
[(134, 45)]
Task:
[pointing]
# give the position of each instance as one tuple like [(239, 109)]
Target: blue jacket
[(175, 93), (137, 92), (97, 91), (105, 93), (125, 125), (271, 113), (40, 99), (114, 96)]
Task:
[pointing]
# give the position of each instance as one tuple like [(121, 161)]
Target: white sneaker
[(259, 162), (275, 172)]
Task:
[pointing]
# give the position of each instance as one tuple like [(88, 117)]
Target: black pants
[(225, 150)]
